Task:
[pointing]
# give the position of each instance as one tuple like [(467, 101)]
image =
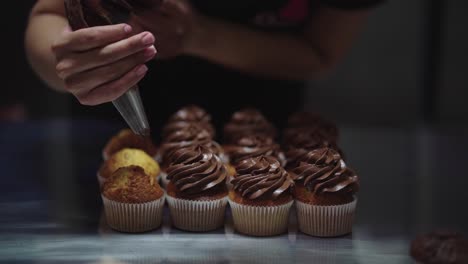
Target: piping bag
[(90, 13)]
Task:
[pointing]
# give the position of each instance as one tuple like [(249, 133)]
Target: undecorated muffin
[(128, 157), (127, 139), (132, 202)]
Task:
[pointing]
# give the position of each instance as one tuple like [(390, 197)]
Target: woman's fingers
[(88, 80), (114, 89), (91, 38), (99, 64), (79, 62)]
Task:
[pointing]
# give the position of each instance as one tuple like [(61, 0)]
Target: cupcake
[(127, 157), (325, 194), (309, 131), (261, 197), (196, 192), (188, 136), (295, 155), (127, 139), (250, 147), (132, 202), (247, 122), (253, 146), (188, 115), (312, 124)]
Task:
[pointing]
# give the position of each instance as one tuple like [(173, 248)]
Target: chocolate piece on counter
[(440, 247)]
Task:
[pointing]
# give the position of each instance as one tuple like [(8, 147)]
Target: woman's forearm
[(261, 53), (325, 40), (42, 30)]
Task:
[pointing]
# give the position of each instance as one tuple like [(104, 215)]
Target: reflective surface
[(412, 180)]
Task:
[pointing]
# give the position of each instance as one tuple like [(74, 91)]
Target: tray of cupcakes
[(251, 174)]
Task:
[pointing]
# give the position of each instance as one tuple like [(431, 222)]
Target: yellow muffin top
[(131, 185), (127, 139), (127, 157)]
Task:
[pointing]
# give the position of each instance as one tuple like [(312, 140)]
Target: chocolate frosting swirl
[(305, 139), (261, 178), (312, 125), (248, 122), (253, 146), (323, 171), (188, 115), (196, 169), (191, 113), (188, 136)]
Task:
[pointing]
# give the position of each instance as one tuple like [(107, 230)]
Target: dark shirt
[(171, 84)]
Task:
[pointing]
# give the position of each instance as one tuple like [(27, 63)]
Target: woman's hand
[(99, 64), (174, 23)]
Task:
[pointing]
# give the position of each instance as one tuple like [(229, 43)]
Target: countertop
[(413, 180)]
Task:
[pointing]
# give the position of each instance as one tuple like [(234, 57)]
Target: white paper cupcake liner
[(325, 221), (260, 220), (133, 218), (197, 216)]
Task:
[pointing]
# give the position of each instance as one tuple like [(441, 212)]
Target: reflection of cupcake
[(127, 139), (261, 199), (325, 194), (189, 136), (247, 122), (128, 157), (196, 191), (132, 202), (188, 115)]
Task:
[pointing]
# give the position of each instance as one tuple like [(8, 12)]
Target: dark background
[(399, 99), (407, 67)]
